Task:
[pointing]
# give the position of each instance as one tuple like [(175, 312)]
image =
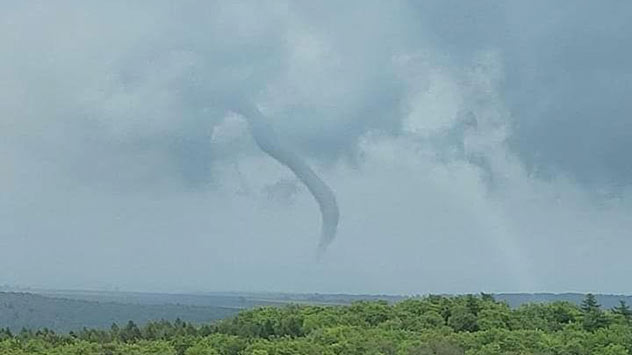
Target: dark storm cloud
[(567, 77)]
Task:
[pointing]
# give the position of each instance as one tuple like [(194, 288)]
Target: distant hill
[(32, 311), (65, 310), (215, 299)]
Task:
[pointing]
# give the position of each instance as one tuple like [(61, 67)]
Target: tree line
[(469, 324)]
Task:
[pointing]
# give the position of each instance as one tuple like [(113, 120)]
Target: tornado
[(267, 140)]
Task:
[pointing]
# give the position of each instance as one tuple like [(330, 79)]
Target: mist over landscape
[(470, 146)]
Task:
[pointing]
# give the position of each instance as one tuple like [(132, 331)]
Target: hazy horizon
[(470, 146)]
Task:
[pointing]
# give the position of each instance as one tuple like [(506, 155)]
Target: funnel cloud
[(267, 141)]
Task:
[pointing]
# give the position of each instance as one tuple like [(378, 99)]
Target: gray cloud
[(472, 146)]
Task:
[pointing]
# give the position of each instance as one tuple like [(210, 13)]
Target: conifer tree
[(593, 318), (623, 310)]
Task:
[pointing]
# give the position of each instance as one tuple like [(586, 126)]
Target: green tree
[(590, 304), (130, 332), (436, 347), (623, 311), (5, 333), (462, 320), (593, 317), (473, 304)]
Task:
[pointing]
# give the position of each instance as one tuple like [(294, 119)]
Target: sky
[(472, 146)]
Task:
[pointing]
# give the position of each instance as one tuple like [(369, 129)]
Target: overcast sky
[(472, 146)]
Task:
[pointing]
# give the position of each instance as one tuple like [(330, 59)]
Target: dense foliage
[(431, 325)]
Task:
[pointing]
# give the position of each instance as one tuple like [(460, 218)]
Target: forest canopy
[(472, 325)]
